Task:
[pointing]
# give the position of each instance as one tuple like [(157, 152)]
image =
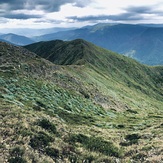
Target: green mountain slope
[(111, 65), (90, 108)]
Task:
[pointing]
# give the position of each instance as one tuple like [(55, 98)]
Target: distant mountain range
[(141, 42), (16, 39), (30, 32)]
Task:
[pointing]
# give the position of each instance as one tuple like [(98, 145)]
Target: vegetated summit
[(92, 105), (79, 52)]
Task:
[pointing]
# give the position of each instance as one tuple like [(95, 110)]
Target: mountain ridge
[(16, 39), (82, 52)]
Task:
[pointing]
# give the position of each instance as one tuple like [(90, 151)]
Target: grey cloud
[(120, 17), (21, 16), (126, 16), (139, 10), (143, 10), (46, 5), (48, 21), (7, 7), (131, 13)]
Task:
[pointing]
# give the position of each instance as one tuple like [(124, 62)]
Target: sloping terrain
[(111, 65), (16, 39), (143, 43), (94, 106), (146, 47)]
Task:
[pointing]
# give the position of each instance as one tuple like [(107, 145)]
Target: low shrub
[(17, 160), (68, 150), (99, 145), (80, 138), (88, 159), (130, 140), (16, 155), (96, 144), (76, 119), (52, 152), (47, 125), (133, 138), (16, 152), (40, 141), (120, 126), (139, 157), (41, 104)]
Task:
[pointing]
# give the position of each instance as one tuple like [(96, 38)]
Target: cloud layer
[(8, 7), (131, 13), (46, 5), (78, 12)]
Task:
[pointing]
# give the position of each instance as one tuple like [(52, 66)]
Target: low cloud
[(144, 10), (21, 16), (48, 21), (139, 10), (120, 17), (130, 14)]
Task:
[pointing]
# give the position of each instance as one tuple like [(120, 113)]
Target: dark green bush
[(41, 104), (16, 155), (89, 159), (130, 139), (25, 132), (76, 119), (67, 107), (40, 141), (16, 152), (99, 145), (52, 152), (80, 138), (139, 157), (120, 126), (37, 108), (133, 138), (96, 144), (86, 95), (47, 125), (17, 160)]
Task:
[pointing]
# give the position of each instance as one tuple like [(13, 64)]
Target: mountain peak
[(61, 52)]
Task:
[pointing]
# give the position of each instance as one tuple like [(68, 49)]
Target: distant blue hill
[(141, 42), (16, 39)]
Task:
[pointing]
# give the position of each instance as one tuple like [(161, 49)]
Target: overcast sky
[(76, 13)]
